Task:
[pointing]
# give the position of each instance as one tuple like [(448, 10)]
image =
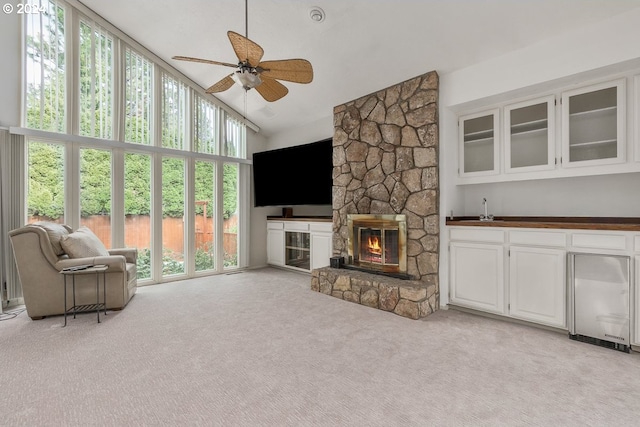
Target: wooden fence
[(138, 231)]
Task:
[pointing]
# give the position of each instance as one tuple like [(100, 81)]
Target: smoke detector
[(316, 14)]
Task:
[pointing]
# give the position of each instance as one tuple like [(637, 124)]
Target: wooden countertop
[(301, 218), (580, 223)]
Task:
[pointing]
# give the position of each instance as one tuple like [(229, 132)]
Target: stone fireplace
[(385, 163), (378, 243)]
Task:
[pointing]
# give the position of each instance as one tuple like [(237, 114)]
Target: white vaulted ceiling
[(362, 45)]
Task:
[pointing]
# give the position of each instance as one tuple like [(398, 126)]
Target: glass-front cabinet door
[(297, 249), (529, 135), (478, 144), (593, 126)]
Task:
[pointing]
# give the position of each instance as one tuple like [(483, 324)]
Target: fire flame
[(373, 244)]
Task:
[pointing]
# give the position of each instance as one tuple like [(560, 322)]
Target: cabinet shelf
[(604, 110), (297, 248), (528, 132), (485, 133), (479, 140), (530, 125), (590, 143)]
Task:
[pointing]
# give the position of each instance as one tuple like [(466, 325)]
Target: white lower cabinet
[(321, 250), (300, 245), (477, 276), (275, 247), (537, 289)]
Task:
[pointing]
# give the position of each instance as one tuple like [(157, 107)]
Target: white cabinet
[(522, 273), (572, 131), (477, 276), (300, 245), (275, 243), (529, 135), (593, 125), (537, 289), (479, 144), (297, 249), (321, 250)]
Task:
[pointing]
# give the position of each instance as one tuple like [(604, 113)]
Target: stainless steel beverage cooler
[(599, 300)]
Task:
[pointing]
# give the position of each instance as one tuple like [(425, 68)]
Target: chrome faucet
[(486, 216)]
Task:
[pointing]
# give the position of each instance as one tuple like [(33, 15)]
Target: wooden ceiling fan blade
[(222, 85), (204, 61), (245, 49), (290, 70), (271, 90)]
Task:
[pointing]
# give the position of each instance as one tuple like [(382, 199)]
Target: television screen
[(299, 175)]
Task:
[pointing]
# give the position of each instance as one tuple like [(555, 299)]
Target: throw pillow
[(56, 233), (83, 243)]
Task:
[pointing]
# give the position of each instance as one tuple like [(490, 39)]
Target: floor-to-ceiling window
[(120, 143)]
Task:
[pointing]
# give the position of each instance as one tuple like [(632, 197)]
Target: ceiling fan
[(251, 72)]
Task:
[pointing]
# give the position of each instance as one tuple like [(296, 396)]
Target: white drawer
[(275, 225), (538, 238), (637, 245), (296, 226), (324, 227), (599, 241), (477, 235)]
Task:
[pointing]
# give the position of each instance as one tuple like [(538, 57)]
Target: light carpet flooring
[(260, 349)]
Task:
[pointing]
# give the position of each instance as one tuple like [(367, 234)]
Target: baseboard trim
[(506, 319)]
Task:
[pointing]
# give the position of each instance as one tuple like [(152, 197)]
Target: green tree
[(95, 182), (137, 184), (46, 180), (172, 187), (204, 187)]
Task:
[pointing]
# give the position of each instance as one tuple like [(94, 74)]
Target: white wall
[(606, 195), (609, 42), (304, 134), (10, 69), (257, 216), (567, 60)]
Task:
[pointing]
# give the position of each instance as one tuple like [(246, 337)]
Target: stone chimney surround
[(385, 162)]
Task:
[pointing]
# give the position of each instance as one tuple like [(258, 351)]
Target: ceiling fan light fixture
[(316, 14), (246, 79)]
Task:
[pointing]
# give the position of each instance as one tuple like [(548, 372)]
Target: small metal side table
[(94, 269)]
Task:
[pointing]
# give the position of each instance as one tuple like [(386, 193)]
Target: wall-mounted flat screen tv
[(299, 175)]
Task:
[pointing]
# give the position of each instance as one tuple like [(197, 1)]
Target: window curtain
[(11, 210)]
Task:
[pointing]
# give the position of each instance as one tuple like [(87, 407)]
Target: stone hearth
[(385, 162), (408, 298)]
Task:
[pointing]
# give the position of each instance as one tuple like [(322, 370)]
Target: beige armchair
[(39, 255)]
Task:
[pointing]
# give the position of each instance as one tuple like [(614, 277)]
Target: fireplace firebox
[(378, 242)]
